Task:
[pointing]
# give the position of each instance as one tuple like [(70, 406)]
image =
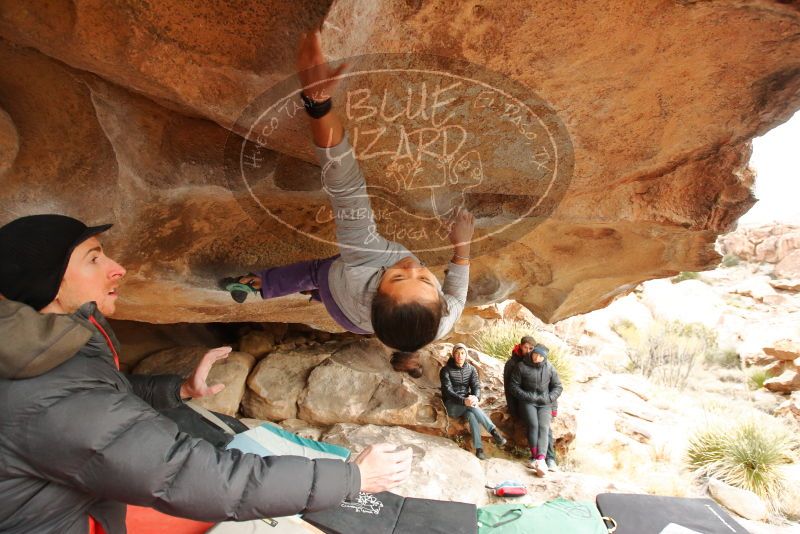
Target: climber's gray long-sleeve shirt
[(355, 276)]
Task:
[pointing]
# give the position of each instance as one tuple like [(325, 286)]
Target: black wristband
[(316, 110)]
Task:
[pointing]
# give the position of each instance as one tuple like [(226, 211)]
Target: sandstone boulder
[(740, 501), (232, 371), (440, 469), (784, 349), (121, 112), (783, 284), (790, 406), (358, 385), (276, 383), (786, 382), (257, 343), (789, 267), (775, 368), (763, 244)]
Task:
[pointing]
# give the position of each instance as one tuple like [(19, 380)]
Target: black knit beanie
[(34, 253)]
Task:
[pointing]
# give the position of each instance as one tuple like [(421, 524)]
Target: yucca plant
[(560, 360), (498, 339), (756, 377), (746, 454)]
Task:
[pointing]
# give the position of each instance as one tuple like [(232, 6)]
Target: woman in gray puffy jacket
[(536, 386)]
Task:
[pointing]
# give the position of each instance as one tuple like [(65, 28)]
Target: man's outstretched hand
[(383, 467), (195, 386)]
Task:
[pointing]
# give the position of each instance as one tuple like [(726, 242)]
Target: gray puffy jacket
[(76, 440), (458, 383), (535, 383)]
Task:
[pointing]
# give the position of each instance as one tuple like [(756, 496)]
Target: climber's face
[(409, 281)]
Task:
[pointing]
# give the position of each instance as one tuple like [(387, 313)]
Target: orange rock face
[(122, 113)]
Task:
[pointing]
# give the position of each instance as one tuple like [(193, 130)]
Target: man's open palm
[(195, 386)]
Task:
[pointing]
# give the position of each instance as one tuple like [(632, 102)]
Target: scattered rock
[(775, 368), (232, 371), (789, 266), (754, 287), (784, 349), (633, 429), (783, 284), (740, 501), (790, 406), (643, 414), (584, 371), (757, 359), (638, 385), (786, 382)]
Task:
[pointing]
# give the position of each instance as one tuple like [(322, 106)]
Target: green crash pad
[(558, 515)]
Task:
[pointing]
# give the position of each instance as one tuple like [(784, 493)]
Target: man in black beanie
[(35, 252), (78, 439)]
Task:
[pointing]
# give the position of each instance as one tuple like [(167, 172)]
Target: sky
[(776, 160)]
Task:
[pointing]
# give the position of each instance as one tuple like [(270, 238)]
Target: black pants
[(537, 419), (516, 412)]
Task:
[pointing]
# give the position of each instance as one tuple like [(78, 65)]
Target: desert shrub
[(730, 260), (685, 275), (747, 454), (756, 377), (499, 338), (668, 350), (728, 358)]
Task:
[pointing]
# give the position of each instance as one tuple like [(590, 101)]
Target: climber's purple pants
[(306, 276)]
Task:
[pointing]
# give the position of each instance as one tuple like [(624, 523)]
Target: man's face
[(90, 276), (536, 357), (460, 356), (526, 348)]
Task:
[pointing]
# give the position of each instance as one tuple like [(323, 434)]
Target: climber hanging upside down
[(373, 285)]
